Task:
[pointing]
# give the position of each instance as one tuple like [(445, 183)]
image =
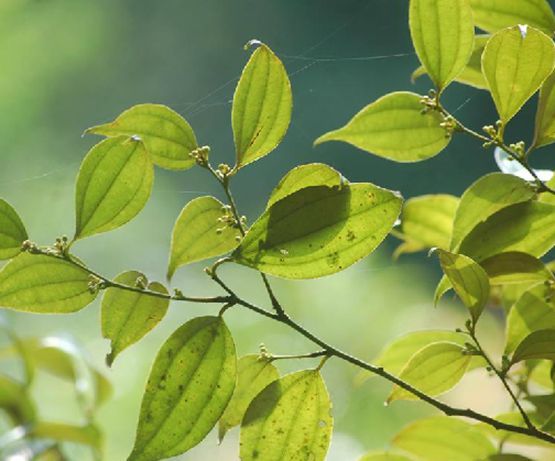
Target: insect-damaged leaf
[(319, 230), (167, 136), (12, 231), (290, 419), (127, 315), (262, 106), (188, 389), (394, 127)]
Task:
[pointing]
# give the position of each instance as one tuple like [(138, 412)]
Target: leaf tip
[(254, 42), (329, 136)]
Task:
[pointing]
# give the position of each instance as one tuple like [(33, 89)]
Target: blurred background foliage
[(70, 64)]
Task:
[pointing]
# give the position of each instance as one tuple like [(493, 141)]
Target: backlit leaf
[(545, 116), (527, 57), (44, 284), (434, 369), (85, 435), (167, 136), (395, 128), (442, 438), (127, 316), (262, 106), (12, 231), (15, 401), (200, 233), (254, 373), (290, 419), (515, 267), (189, 387), (539, 344), (113, 186), (383, 456), (319, 230), (442, 32)]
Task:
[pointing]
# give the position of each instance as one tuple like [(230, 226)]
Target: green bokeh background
[(70, 64)]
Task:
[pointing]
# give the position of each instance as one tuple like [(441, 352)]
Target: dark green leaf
[(12, 231), (319, 230), (189, 387), (394, 127), (515, 268), (539, 344)]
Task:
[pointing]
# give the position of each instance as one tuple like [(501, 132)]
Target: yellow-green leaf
[(44, 284), (394, 127), (539, 344), (189, 387), (167, 136), (300, 177), (485, 197), (254, 373), (442, 438), (319, 230), (60, 432), (290, 419), (12, 231), (442, 32), (127, 315), (468, 279), (545, 116), (201, 232), (434, 369), (383, 456), (515, 267), (262, 106), (527, 57), (493, 15), (427, 222), (14, 400), (113, 186)]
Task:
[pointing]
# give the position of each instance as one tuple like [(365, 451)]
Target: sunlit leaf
[(290, 419), (548, 197), (534, 310), (493, 15), (485, 197), (113, 186), (442, 438), (167, 136), (85, 435), (442, 287), (545, 116), (189, 387), (12, 231), (383, 456), (427, 222), (539, 344), (127, 316), (442, 32), (544, 404), (319, 230), (44, 284), (262, 106), (540, 374), (515, 419), (527, 57), (300, 177), (434, 369), (515, 267), (15, 401), (468, 279), (394, 127), (201, 232), (254, 373)]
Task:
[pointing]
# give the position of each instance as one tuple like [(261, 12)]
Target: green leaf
[(319, 230), (527, 57), (434, 369), (493, 15), (442, 32), (201, 232), (442, 438), (113, 186), (15, 402), (515, 419), (468, 279), (514, 268), (443, 287), (262, 106), (44, 284), (290, 419), (383, 456), (127, 316), (12, 231), (394, 127), (254, 373), (84, 435), (534, 310), (427, 222), (526, 227), (167, 136), (472, 73), (544, 133), (303, 176), (189, 387), (544, 404), (539, 344), (508, 457), (541, 374), (485, 197)]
